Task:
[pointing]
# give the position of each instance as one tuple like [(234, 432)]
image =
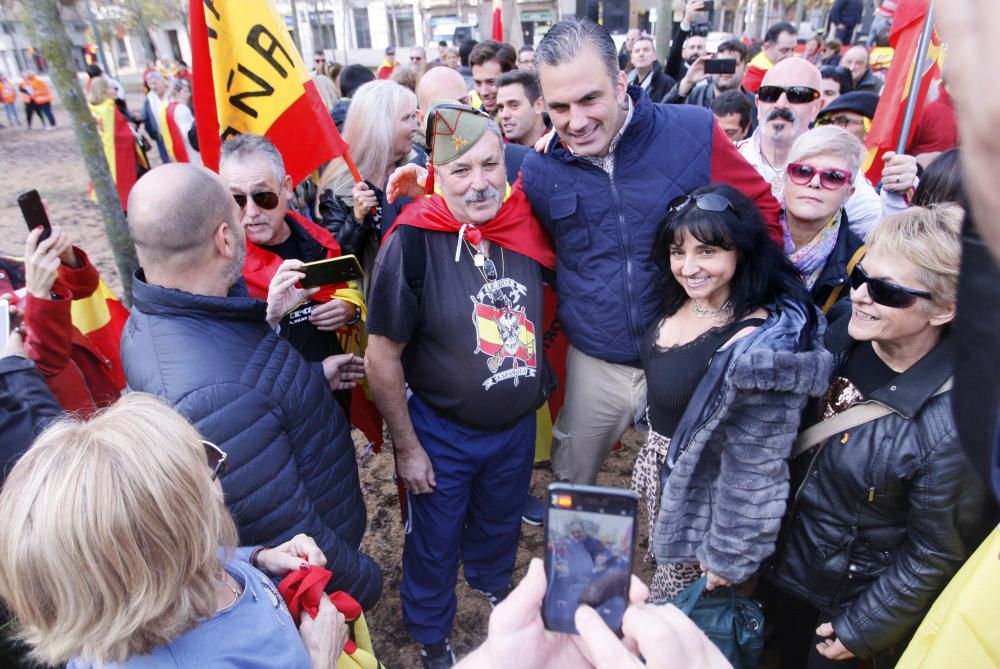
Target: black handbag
[(735, 624)]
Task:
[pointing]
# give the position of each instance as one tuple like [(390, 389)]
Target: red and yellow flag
[(101, 317), (249, 78), (120, 148), (888, 122), (497, 20), (171, 133)]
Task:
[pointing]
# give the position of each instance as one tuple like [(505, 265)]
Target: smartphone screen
[(333, 270), (589, 543), (720, 66), (34, 213)]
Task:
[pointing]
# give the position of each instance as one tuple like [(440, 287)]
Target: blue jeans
[(474, 513)]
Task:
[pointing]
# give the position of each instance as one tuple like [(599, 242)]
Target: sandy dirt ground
[(50, 161)]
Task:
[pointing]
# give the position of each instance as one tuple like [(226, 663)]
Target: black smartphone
[(333, 270), (589, 544), (720, 66), (34, 214), (709, 6)]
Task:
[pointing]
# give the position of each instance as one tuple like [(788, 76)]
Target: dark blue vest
[(603, 228)]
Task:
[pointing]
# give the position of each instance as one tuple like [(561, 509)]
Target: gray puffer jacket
[(724, 497)]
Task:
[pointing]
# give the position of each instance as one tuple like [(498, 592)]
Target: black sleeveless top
[(673, 373)]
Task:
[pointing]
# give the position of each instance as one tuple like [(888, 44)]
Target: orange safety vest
[(40, 91), (7, 91)]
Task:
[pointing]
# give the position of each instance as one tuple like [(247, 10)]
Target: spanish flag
[(249, 78), (171, 133), (120, 148), (488, 321), (101, 317), (888, 122)]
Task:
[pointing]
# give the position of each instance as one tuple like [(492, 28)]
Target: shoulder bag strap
[(859, 414), (836, 292)]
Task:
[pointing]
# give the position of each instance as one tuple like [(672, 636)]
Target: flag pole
[(911, 101)]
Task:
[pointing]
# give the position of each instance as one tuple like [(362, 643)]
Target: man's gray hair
[(565, 39), (246, 146)]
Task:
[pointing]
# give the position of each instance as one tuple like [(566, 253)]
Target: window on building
[(361, 28), (401, 30), (324, 35)]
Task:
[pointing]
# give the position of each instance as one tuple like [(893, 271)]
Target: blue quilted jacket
[(603, 227), (291, 465)]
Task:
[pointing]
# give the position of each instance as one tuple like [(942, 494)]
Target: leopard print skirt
[(646, 477), (672, 578)]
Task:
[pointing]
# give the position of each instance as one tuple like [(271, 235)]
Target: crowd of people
[(730, 283)]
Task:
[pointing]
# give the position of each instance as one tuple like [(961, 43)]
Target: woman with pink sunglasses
[(822, 164)]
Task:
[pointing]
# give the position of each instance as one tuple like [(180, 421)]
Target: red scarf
[(261, 265), (302, 591), (514, 227)]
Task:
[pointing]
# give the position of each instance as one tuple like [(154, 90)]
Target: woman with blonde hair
[(818, 239), (380, 129), (126, 159), (887, 507), (117, 548)]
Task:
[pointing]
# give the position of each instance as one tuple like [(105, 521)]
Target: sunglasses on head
[(797, 95), (884, 292), (704, 201), (264, 199), (216, 458), (830, 178)]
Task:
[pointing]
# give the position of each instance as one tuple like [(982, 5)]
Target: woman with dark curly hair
[(729, 367)]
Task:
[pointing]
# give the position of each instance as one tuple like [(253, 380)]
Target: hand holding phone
[(330, 271), (720, 66), (589, 546), (34, 213)]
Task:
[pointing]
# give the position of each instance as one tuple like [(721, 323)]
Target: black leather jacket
[(885, 516)]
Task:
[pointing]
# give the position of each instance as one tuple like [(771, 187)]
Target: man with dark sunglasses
[(279, 242), (199, 341), (788, 102)]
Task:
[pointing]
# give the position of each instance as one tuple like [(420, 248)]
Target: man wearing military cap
[(455, 364)]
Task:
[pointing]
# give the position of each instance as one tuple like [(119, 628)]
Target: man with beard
[(788, 101), (198, 341), (698, 88), (456, 367)]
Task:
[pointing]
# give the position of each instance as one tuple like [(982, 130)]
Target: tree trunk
[(55, 44), (664, 28)]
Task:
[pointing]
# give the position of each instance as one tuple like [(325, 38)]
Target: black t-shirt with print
[(313, 344), (473, 348)]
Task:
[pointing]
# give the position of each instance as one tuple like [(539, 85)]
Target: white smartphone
[(4, 322)]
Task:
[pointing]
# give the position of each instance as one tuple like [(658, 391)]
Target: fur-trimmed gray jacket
[(725, 484)]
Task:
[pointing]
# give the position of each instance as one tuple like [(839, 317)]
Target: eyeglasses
[(216, 458), (884, 292), (704, 201), (830, 178), (840, 121), (797, 95), (264, 199), (416, 59)]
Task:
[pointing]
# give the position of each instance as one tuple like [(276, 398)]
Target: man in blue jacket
[(197, 340), (601, 190)]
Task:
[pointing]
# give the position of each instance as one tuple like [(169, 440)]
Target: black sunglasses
[(884, 292), (705, 202), (264, 199), (797, 95), (216, 458)]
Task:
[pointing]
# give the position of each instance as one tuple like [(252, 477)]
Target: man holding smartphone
[(699, 87), (279, 243)]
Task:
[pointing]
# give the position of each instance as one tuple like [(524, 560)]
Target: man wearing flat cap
[(852, 111), (456, 367)]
